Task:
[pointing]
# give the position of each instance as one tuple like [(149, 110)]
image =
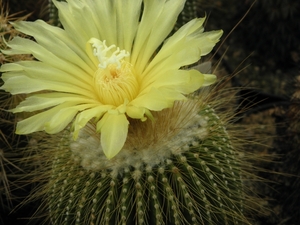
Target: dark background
[(261, 49)]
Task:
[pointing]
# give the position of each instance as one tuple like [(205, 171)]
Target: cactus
[(185, 168)]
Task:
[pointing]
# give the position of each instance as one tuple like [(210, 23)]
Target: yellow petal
[(42, 71), (101, 20), (136, 112), (79, 27), (158, 20), (114, 129), (53, 120), (209, 79), (14, 80), (208, 40), (56, 41), (182, 81), (25, 46), (158, 99), (127, 13), (85, 116), (187, 29), (104, 17), (193, 43), (60, 120), (47, 100), (38, 121), (172, 60)]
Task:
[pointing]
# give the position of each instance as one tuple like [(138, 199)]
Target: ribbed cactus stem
[(198, 182)]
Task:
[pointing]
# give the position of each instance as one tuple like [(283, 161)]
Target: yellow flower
[(111, 62)]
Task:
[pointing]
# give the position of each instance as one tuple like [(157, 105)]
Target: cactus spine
[(181, 169)]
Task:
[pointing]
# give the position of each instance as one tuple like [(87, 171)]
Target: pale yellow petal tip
[(219, 33), (111, 154), (23, 130), (19, 132), (114, 130), (214, 35), (112, 149), (209, 79), (75, 135)]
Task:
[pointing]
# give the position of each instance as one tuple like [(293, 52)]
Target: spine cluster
[(200, 186)]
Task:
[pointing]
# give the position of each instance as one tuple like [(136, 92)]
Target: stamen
[(114, 79)]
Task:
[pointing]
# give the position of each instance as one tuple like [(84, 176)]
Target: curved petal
[(13, 80), (127, 15), (47, 100), (176, 58), (85, 116), (56, 41), (60, 120), (158, 19), (105, 18), (20, 45), (194, 30), (113, 21), (182, 81), (181, 50), (136, 112), (209, 79), (46, 73), (158, 99), (195, 25), (80, 28), (38, 121), (114, 129)]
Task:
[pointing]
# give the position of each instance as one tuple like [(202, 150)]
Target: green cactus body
[(180, 168), (191, 177)]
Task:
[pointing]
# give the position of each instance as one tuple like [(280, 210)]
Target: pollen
[(115, 79)]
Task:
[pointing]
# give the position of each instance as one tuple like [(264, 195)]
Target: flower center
[(115, 79)]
